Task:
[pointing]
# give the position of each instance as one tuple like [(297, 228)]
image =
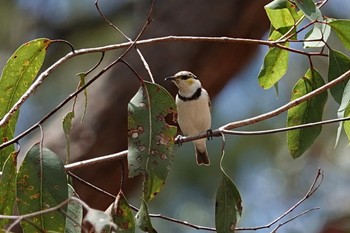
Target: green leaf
[(310, 9), (339, 63), (74, 217), (228, 207), (150, 138), (8, 188), (41, 184), (345, 102), (299, 140), (122, 215), (341, 28), (274, 67), (320, 31), (80, 84), (283, 18), (143, 220), (17, 75), (279, 15), (99, 220), (67, 126), (347, 123)]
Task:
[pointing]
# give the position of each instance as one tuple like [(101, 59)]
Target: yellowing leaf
[(279, 14), (17, 76), (122, 215), (274, 67)]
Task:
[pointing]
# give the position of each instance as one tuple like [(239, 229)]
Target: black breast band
[(195, 95)]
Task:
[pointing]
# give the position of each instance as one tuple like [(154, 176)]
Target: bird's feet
[(179, 140), (209, 134)]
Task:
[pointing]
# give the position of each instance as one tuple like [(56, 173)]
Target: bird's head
[(185, 81)]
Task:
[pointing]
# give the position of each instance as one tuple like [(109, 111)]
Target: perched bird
[(193, 111)]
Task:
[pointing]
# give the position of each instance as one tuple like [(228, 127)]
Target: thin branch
[(136, 209), (81, 180), (123, 154), (96, 65), (292, 219), (129, 45), (133, 70), (97, 160), (279, 130), (43, 75), (313, 188), (128, 38)]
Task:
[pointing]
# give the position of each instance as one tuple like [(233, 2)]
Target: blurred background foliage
[(269, 180)]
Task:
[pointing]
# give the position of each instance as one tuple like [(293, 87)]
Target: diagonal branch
[(131, 44)]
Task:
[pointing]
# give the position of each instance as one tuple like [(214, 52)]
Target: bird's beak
[(171, 78)]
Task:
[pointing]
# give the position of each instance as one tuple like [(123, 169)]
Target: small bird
[(193, 111)]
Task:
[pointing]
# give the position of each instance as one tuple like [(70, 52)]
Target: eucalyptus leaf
[(8, 188), (67, 126), (339, 63), (310, 9), (341, 28), (274, 67), (122, 215), (228, 206), (17, 76), (42, 184), (143, 220), (299, 140), (150, 138), (345, 102), (74, 217), (279, 15), (317, 37), (347, 123)]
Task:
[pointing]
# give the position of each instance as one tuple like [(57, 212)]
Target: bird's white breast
[(194, 116)]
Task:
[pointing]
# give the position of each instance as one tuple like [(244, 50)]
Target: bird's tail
[(202, 157)]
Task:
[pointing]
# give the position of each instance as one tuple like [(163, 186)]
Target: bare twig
[(293, 218), (128, 38), (313, 188), (279, 130), (81, 180), (101, 159)]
